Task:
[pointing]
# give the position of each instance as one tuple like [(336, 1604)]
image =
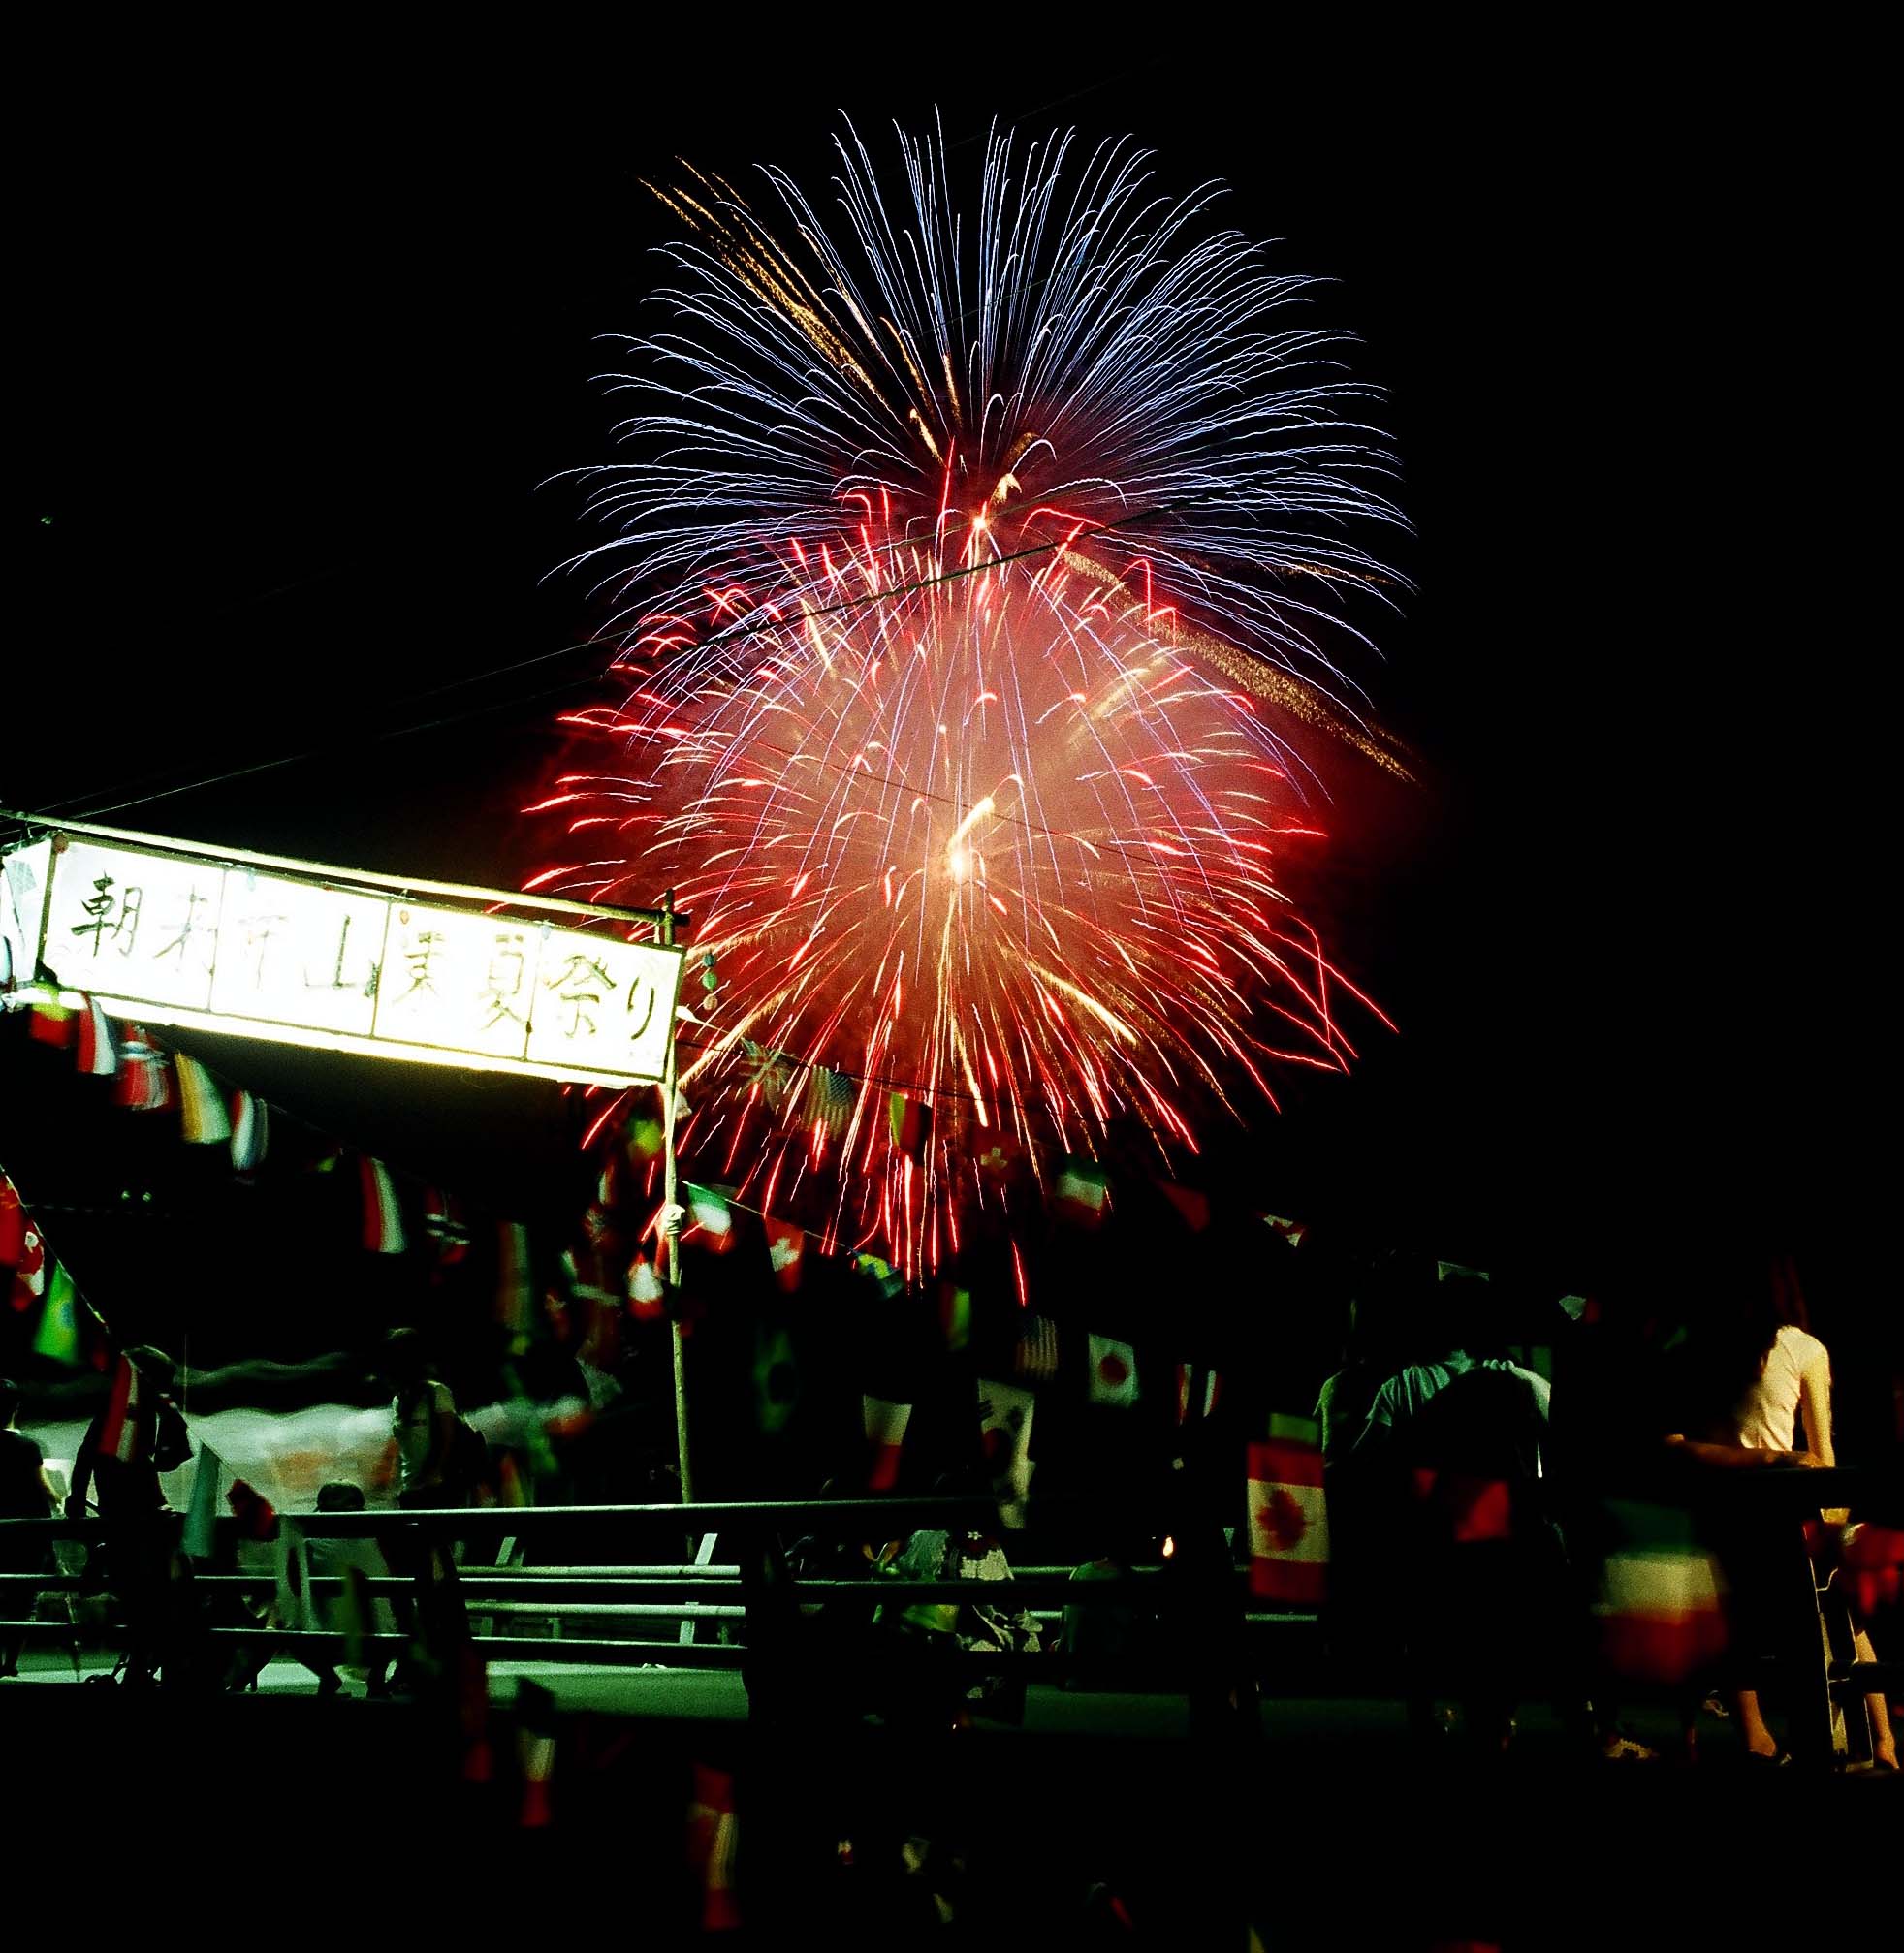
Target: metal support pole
[(669, 1086)]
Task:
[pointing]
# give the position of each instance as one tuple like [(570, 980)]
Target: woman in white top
[(1786, 1397)]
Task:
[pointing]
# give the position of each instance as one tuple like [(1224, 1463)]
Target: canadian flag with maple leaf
[(1289, 1521)]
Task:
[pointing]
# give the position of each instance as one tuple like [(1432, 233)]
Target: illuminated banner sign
[(256, 948)]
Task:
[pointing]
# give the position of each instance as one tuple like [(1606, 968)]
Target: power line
[(742, 625)]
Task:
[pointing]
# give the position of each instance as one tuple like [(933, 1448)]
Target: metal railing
[(685, 1595)]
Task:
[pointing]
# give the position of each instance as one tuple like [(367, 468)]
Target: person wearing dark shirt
[(1453, 1452), (24, 1494), (127, 1445)]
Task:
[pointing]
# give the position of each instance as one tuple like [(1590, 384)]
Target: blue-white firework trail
[(982, 574)]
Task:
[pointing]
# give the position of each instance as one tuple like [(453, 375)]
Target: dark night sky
[(298, 352)]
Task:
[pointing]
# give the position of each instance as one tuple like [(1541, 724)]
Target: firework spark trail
[(972, 581)]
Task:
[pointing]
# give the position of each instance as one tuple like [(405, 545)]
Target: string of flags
[(70, 1330)]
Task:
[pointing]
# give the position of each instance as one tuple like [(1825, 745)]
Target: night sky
[(302, 335)]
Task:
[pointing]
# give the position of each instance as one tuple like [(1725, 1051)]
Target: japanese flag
[(885, 1433), (1288, 1523), (1113, 1371)]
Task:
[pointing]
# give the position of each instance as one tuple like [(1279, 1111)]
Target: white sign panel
[(291, 952), (170, 939), (119, 919), (22, 902)]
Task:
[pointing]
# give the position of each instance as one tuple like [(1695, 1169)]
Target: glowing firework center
[(990, 843), (254, 946)]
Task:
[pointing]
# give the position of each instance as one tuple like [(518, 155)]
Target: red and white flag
[(1289, 1522), (383, 1218), (51, 1024), (12, 1224), (29, 1267), (999, 1155), (1113, 1371), (145, 1080), (786, 1250), (251, 1132), (118, 1435), (885, 1435), (96, 1053), (645, 1290)]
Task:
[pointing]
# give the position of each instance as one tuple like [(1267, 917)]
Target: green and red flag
[(709, 1211), (1661, 1608), (1081, 1192), (912, 1124), (885, 1433)]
